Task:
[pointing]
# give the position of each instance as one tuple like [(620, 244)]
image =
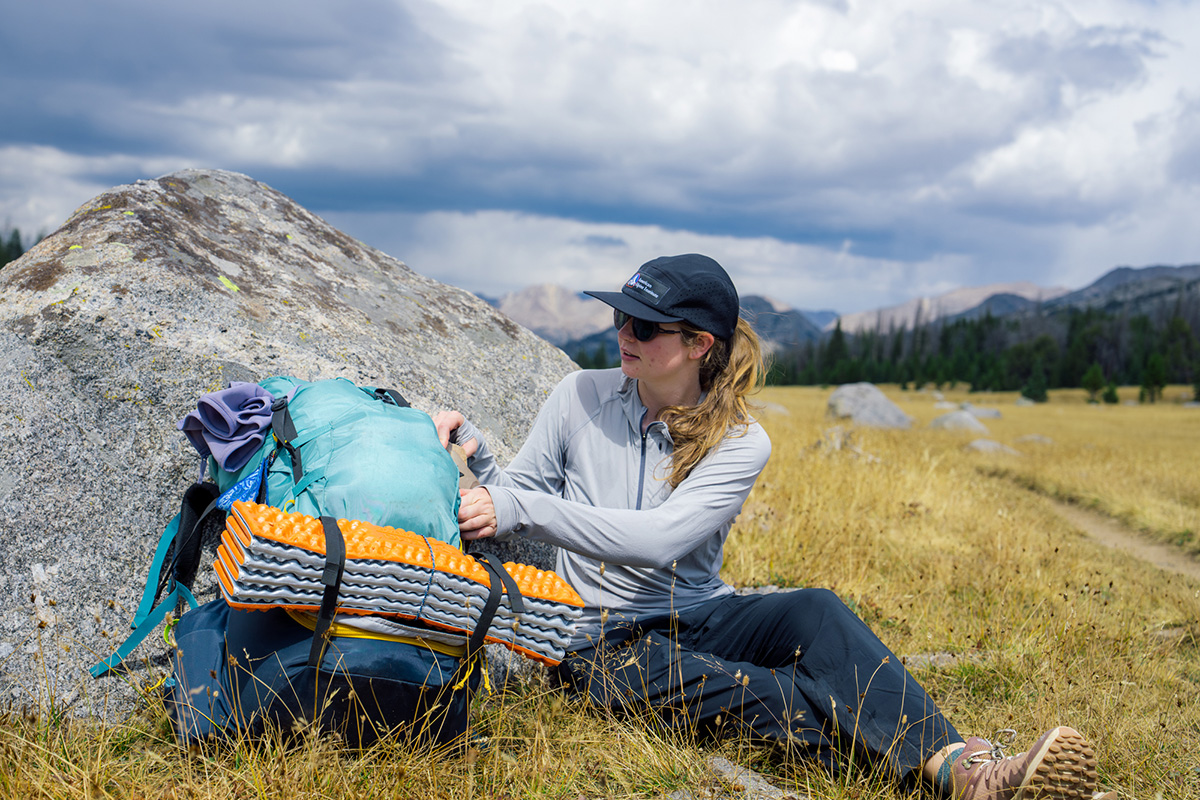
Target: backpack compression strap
[(331, 578), (501, 582)]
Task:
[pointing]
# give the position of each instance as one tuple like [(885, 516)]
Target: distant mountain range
[(574, 321), (578, 323), (556, 314), (951, 304)]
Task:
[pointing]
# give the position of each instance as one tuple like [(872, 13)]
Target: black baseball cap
[(691, 288)]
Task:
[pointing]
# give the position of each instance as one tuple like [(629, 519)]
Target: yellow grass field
[(1010, 615)]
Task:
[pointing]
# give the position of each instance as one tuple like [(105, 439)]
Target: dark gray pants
[(795, 667)]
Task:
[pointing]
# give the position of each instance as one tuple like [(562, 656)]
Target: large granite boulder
[(865, 404), (109, 330)]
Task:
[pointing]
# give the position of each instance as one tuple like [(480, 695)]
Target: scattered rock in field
[(1034, 438), (837, 438), (958, 421), (865, 404), (938, 660), (990, 446), (1191, 404), (1025, 401), (979, 412), (1171, 636), (731, 781), (945, 405)]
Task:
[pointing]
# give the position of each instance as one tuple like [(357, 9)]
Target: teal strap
[(186, 594), (306, 437), (303, 483), (151, 621), (160, 555)]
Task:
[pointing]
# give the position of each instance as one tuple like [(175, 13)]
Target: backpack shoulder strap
[(392, 396), (183, 534)]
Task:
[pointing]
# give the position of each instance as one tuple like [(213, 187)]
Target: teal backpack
[(334, 451), (347, 452)]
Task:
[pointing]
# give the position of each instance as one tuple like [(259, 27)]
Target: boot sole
[(1064, 768)]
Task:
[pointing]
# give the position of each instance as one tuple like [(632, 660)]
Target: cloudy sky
[(837, 154)]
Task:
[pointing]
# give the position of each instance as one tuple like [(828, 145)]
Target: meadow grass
[(944, 552)]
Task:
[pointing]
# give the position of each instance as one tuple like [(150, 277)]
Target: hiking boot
[(1060, 766)]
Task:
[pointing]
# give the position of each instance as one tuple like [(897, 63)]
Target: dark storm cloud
[(98, 77)]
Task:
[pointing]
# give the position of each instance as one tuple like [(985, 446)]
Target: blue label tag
[(246, 489)]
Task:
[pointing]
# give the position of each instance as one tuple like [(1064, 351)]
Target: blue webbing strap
[(160, 555), (303, 483), (149, 623)]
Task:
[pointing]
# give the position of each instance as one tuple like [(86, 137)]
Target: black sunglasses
[(643, 330)]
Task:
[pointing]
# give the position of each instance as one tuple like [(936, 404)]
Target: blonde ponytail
[(729, 372)]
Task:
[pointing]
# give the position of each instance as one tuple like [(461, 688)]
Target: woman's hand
[(449, 421), (476, 514)]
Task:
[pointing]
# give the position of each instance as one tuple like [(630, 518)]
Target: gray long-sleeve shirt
[(589, 481)]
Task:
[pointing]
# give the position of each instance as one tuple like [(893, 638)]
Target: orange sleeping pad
[(271, 558)]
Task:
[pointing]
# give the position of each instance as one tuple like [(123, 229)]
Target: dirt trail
[(1112, 534)]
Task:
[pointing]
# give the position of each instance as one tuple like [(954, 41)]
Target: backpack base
[(243, 672)]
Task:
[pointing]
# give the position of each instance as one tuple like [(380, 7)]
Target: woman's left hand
[(476, 514)]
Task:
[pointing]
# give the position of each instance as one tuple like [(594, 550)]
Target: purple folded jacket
[(229, 425)]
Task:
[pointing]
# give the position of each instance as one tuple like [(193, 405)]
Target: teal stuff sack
[(354, 453)]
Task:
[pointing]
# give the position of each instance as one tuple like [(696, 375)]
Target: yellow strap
[(350, 632)]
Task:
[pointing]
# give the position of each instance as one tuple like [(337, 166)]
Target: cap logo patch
[(647, 289)]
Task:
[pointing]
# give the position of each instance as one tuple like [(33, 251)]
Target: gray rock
[(958, 421), (990, 446), (771, 408), (865, 404), (729, 781), (1035, 438), (980, 412), (1024, 401), (111, 327), (945, 405)]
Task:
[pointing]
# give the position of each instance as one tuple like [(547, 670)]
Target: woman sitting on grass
[(637, 475)]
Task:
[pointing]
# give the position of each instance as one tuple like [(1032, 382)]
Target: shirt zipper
[(642, 474)]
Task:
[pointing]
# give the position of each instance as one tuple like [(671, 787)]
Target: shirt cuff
[(507, 524)]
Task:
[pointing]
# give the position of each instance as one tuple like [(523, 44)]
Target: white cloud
[(41, 186), (495, 252)]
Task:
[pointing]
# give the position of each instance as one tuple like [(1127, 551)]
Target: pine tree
[(1093, 381), (1154, 377), (1035, 388), (836, 353), (11, 248)]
